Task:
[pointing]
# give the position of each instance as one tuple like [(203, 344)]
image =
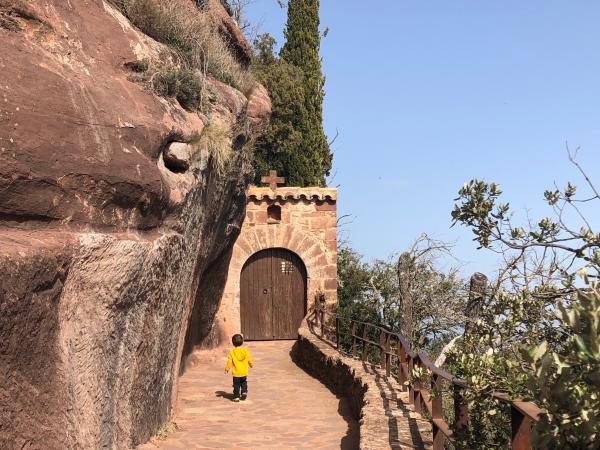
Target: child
[(238, 361)]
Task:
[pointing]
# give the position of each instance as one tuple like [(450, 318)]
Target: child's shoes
[(244, 396), (236, 400)]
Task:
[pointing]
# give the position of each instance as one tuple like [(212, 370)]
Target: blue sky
[(429, 94)]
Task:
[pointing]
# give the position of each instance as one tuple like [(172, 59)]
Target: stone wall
[(307, 228), (325, 363), (378, 402)]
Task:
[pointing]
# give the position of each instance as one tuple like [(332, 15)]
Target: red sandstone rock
[(259, 106), (230, 31), (103, 249)]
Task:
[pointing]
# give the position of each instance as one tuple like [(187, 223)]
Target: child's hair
[(237, 340)]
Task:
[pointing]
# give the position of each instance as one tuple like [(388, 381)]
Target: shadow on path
[(405, 428), (288, 408), (351, 441), (394, 405), (225, 395)]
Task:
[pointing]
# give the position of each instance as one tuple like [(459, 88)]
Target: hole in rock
[(176, 166), (177, 157)]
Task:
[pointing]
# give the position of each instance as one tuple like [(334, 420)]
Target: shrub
[(538, 278), (166, 430), (188, 31), (172, 81), (183, 84), (218, 142), (568, 379)]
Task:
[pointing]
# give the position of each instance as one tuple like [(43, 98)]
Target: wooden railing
[(397, 359)]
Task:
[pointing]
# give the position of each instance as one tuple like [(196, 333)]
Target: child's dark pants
[(239, 383)]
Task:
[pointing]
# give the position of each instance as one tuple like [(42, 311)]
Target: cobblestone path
[(286, 408)]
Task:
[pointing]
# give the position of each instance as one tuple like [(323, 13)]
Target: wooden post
[(353, 327), (477, 289), (405, 263), (437, 412), (411, 388), (388, 356), (461, 413), (402, 365), (365, 355), (337, 332), (322, 322), (418, 398), (382, 349), (521, 430)]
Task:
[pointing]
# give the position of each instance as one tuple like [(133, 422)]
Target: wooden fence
[(395, 355)]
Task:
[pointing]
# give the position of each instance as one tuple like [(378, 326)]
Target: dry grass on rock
[(199, 48), (171, 80), (218, 142)]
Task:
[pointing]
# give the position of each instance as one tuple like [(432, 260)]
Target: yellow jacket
[(238, 361)]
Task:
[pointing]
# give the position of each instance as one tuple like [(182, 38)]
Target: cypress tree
[(280, 147), (294, 143), (301, 49)]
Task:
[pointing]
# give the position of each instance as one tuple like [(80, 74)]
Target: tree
[(354, 285), (283, 145), (280, 146), (371, 292), (537, 280), (435, 299), (237, 10), (541, 255), (303, 41), (568, 379), (295, 143)]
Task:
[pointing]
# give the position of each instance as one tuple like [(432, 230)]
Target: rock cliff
[(115, 216)]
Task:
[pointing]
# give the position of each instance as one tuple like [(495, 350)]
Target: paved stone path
[(286, 408)]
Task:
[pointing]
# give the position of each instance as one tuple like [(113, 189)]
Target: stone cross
[(272, 180)]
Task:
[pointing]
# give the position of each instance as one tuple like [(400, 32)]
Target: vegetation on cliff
[(198, 50), (294, 144)]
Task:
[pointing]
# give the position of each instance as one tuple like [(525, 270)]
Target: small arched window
[(274, 213)]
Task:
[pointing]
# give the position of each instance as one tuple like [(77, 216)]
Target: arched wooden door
[(272, 295)]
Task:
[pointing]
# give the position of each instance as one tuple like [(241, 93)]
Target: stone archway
[(305, 225)]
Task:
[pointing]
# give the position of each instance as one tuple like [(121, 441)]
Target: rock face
[(110, 223), (229, 30)]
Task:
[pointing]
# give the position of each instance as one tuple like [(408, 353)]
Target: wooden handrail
[(528, 409), (523, 414), (435, 370)]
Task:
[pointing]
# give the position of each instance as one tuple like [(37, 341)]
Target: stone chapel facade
[(284, 258)]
